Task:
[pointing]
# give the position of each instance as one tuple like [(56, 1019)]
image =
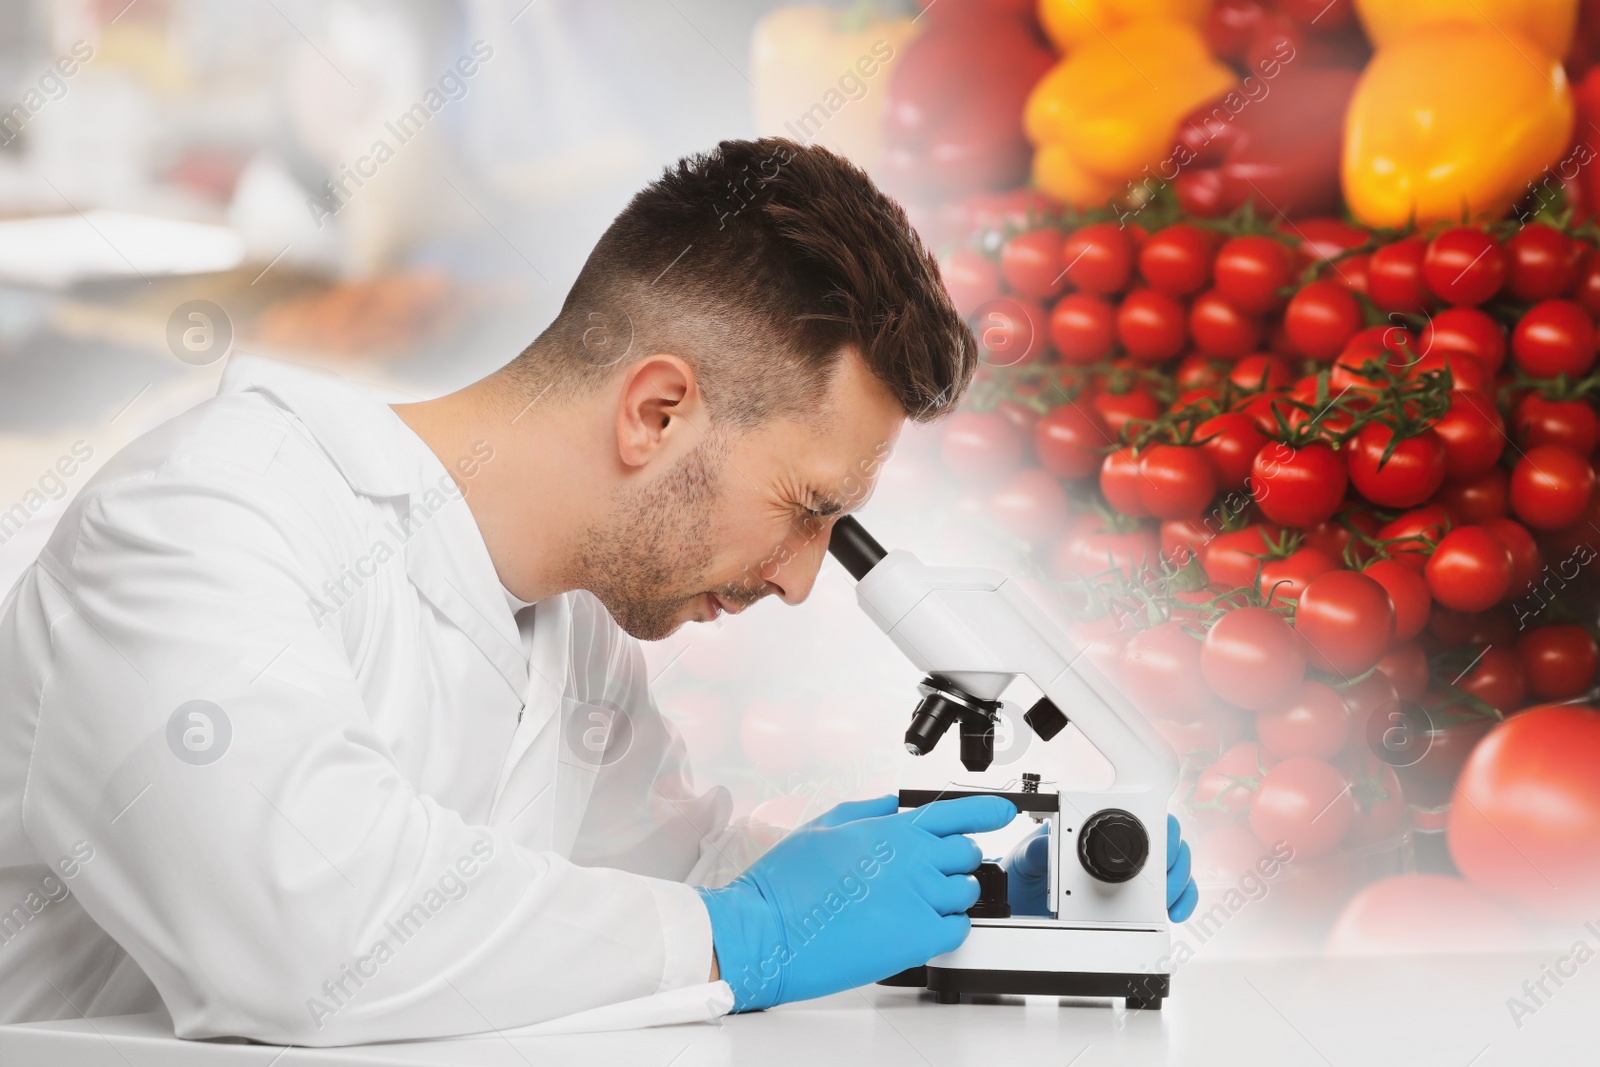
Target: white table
[(1445, 1011)]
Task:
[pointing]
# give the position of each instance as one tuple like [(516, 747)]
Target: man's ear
[(659, 402)]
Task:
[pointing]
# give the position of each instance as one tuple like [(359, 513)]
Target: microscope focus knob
[(1113, 845)]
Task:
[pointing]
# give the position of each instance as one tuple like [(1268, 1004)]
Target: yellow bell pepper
[(822, 75), (1112, 107), (1070, 23), (1453, 118), (1547, 23)]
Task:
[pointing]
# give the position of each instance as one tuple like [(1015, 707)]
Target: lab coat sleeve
[(297, 889)]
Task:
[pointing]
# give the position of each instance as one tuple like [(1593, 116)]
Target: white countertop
[(1446, 1011)]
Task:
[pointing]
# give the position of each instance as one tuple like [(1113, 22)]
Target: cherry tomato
[(1394, 277), (1359, 365), (1219, 329), (1031, 263), (1497, 679), (1464, 266), (1555, 337), (1177, 260), (1542, 263), (1031, 505), (1082, 328), (1224, 789), (1259, 372), (1571, 423), (1090, 549), (980, 446), (1473, 435), (1560, 661), (1160, 673), (1150, 324), (1321, 239), (1069, 440), (1380, 802), (1470, 570), (1252, 658), (1199, 371), (1465, 370), (1183, 539), (1529, 811), (1550, 487), (1284, 580), (1117, 409), (1099, 258), (1249, 272), (1010, 331), (1354, 273), (1231, 559), (1466, 330), (1476, 500), (1413, 533), (1408, 595), (1312, 722), (971, 279), (1175, 481), (1321, 319), (1371, 696), (1406, 667), (1298, 486), (1588, 291), (1334, 537), (1304, 803), (1347, 621), (1412, 471), (1121, 483), (1525, 557)]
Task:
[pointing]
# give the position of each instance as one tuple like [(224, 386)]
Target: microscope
[(973, 632)]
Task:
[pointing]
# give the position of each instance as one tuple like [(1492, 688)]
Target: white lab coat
[(430, 816)]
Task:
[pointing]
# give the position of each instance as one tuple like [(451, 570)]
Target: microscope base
[(1138, 989)]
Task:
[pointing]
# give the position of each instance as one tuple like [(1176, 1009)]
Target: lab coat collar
[(380, 456)]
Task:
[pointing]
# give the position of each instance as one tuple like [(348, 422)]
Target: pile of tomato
[(1322, 499)]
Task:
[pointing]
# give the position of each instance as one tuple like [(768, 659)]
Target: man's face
[(742, 517)]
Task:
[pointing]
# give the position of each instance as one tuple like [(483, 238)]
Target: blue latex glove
[(862, 892), (1028, 875)]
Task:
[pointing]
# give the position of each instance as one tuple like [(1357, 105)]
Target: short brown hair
[(759, 262)]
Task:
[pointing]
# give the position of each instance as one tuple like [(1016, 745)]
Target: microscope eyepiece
[(852, 546)]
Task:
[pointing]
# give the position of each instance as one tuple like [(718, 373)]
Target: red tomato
[(1464, 266), (1231, 559), (1099, 258), (1283, 580), (1588, 292), (1150, 325), (1333, 537), (1175, 482), (1312, 722), (1497, 679), (1470, 570), (1121, 483), (971, 279), (1466, 330), (1560, 661), (1477, 500), (1068, 440), (1380, 802), (1199, 371), (1542, 263), (1525, 558), (1555, 337), (1354, 273), (1550, 487), (1031, 505), (1424, 915), (1031, 263), (1321, 319), (980, 446), (1183, 539), (1346, 620), (1304, 803), (1413, 470), (1353, 368), (1081, 328), (1394, 277), (1252, 658), (1160, 673), (1010, 331), (1118, 409), (1529, 811), (1465, 370), (1223, 791), (1298, 486), (1406, 667), (1219, 329), (1177, 259), (1408, 595), (1090, 549), (1571, 423), (1472, 433), (1259, 372), (1373, 695), (1249, 272), (1413, 534), (1324, 238)]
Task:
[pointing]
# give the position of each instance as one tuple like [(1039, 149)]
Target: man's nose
[(795, 571)]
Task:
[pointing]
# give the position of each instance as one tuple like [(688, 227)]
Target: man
[(298, 700)]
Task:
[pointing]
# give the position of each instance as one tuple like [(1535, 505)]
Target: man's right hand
[(862, 892)]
